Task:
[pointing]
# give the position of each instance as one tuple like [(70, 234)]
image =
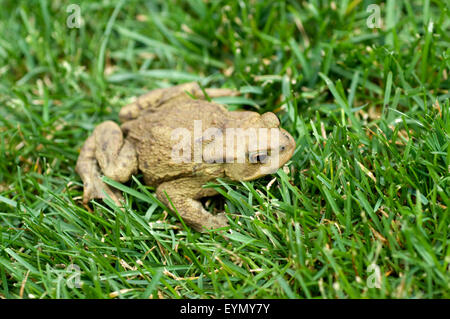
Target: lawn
[(360, 211)]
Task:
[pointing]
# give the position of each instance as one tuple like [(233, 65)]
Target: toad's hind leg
[(158, 97), (117, 157), (105, 151)]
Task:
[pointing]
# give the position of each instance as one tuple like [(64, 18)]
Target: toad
[(179, 140)]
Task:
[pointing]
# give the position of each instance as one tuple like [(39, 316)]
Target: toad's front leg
[(185, 193), (105, 151)]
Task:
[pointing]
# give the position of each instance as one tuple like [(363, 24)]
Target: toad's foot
[(105, 152), (184, 194), (217, 221)]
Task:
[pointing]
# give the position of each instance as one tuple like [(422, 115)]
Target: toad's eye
[(260, 157)]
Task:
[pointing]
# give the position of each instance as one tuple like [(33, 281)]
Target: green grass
[(368, 184)]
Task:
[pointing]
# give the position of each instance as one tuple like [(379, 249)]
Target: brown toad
[(180, 141)]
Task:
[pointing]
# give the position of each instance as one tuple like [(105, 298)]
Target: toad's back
[(153, 136)]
